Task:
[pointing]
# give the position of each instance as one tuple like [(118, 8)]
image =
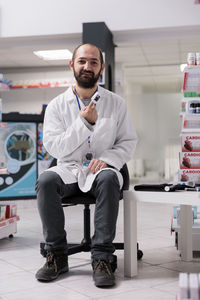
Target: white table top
[(177, 197)]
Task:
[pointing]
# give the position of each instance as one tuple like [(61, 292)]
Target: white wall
[(44, 17)]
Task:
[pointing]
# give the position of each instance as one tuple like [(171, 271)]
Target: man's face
[(87, 66)]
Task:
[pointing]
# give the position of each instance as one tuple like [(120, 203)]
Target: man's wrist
[(87, 124), (92, 123)]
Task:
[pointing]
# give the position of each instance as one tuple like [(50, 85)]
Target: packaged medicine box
[(193, 106), (189, 175), (2, 212), (11, 211), (190, 142), (189, 160), (191, 122)]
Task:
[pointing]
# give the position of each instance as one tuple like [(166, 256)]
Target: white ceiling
[(148, 57)]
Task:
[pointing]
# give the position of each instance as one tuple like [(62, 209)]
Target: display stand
[(189, 157), (8, 227), (190, 134)]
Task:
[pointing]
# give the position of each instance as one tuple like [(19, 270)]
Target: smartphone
[(95, 97)]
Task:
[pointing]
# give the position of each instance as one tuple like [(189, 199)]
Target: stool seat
[(81, 199)]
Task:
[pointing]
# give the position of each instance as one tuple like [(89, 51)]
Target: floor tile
[(183, 266), (161, 256), (7, 268), (17, 282), (141, 294), (45, 293), (169, 288)]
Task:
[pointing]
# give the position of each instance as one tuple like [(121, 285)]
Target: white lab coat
[(65, 136)]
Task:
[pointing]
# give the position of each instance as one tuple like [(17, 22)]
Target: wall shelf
[(4, 87)]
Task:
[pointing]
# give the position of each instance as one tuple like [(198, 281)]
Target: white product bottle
[(198, 58), (0, 110), (191, 59)]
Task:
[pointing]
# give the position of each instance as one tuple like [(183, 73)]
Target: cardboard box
[(189, 175), (190, 142), (11, 211), (189, 160), (2, 212)]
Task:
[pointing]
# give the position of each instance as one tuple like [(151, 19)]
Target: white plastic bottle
[(198, 58), (191, 59)]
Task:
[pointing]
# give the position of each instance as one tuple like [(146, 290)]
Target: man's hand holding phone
[(90, 113)]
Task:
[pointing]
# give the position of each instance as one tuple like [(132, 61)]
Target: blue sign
[(18, 160)]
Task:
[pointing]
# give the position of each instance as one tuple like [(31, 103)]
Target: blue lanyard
[(79, 106), (77, 100)]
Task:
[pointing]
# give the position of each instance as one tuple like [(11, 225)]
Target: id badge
[(87, 158)]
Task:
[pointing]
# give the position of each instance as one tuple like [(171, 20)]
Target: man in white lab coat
[(88, 130)]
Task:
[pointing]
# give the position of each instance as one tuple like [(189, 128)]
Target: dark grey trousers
[(50, 190)]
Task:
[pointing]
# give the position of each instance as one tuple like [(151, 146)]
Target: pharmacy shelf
[(3, 87), (187, 99), (38, 86), (190, 115), (190, 130), (8, 227), (192, 69)]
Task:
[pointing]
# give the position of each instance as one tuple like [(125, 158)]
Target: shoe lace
[(102, 265), (51, 261)]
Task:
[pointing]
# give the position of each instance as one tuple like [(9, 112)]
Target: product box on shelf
[(11, 211), (191, 123), (183, 105), (191, 83), (2, 212), (190, 142), (192, 106), (189, 175), (189, 160)]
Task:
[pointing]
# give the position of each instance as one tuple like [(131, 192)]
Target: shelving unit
[(190, 133), (8, 227), (40, 84), (189, 157), (3, 87)]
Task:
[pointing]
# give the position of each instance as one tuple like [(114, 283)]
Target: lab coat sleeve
[(58, 140), (125, 142)]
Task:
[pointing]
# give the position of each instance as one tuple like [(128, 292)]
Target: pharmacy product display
[(4, 83), (18, 160), (189, 157), (8, 220), (189, 286)]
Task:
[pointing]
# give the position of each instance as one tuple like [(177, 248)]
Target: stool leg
[(186, 220), (87, 237), (130, 234)]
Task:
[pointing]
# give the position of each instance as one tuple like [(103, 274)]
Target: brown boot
[(56, 264)]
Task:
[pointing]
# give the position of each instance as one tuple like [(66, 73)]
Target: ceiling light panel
[(62, 54)]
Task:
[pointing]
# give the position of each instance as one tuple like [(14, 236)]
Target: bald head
[(88, 46)]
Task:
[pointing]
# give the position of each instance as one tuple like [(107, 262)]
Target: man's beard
[(86, 82)]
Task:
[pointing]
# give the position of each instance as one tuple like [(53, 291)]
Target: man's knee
[(47, 180), (108, 178)]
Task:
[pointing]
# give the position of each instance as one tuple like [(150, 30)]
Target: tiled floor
[(158, 270)]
